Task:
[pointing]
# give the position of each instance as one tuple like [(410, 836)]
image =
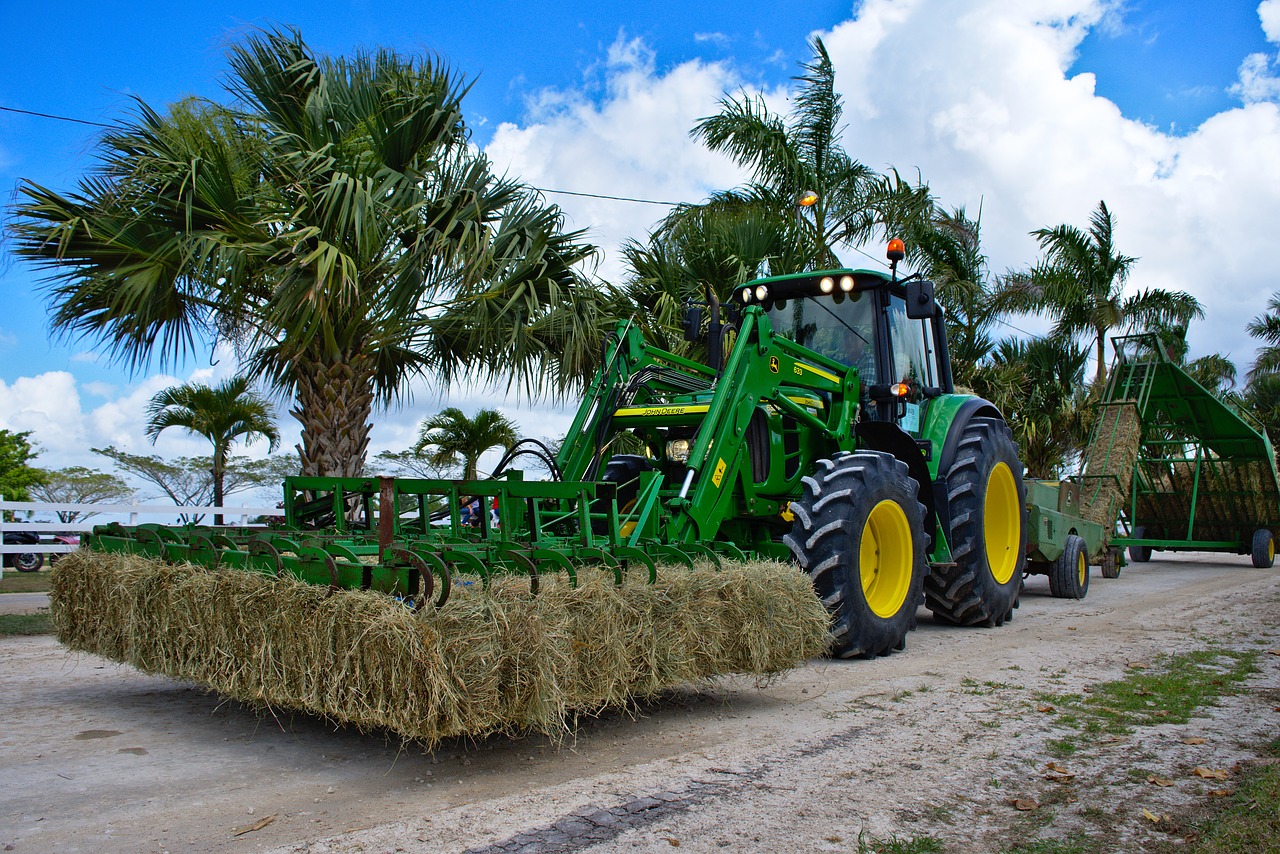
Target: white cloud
[(1257, 78), (634, 142)]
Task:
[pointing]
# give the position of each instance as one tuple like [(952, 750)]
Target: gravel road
[(939, 740)]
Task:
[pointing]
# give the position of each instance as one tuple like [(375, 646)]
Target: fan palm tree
[(457, 438), (1080, 283), (222, 414), (333, 224)]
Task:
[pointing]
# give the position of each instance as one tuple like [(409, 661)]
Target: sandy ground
[(938, 740)]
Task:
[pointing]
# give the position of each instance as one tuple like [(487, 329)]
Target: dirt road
[(938, 740)]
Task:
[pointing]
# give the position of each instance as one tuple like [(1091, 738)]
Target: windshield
[(839, 327)]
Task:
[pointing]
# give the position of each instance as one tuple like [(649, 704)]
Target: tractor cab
[(890, 330)]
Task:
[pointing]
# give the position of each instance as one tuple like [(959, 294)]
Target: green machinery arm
[(761, 369)]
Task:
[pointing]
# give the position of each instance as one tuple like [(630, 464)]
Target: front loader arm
[(759, 371)]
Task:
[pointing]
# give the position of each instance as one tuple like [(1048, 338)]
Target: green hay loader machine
[(822, 426)]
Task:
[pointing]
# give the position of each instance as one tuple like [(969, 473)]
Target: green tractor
[(824, 426)]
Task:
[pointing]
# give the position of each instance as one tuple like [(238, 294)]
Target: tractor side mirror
[(920, 302), (692, 323)]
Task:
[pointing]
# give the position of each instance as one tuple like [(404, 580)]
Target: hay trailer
[(1180, 468)]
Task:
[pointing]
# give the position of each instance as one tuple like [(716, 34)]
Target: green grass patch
[(1168, 692), (24, 582), (25, 624), (894, 845), (1250, 819)]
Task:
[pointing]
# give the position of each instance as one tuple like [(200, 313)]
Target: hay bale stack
[(1231, 498), (1107, 473), (490, 661)]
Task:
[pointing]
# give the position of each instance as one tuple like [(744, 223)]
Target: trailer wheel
[(1139, 554), (859, 533), (1111, 563), (1069, 575), (987, 530), (1264, 549)]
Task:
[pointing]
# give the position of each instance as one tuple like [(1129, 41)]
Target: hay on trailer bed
[(490, 661), (1232, 499), (1107, 475)]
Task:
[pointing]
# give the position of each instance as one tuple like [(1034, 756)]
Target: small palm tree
[(456, 437), (221, 414)]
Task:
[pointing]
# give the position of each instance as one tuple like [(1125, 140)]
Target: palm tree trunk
[(1101, 375), (334, 405), (219, 472)]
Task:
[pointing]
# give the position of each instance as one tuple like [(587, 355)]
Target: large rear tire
[(988, 531), (859, 533), (1069, 574)]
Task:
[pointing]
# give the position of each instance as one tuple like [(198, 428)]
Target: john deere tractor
[(822, 426)]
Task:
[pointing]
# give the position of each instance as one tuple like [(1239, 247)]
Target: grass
[(24, 582), (1250, 819), (25, 624), (894, 845), (1075, 844), (1167, 692)]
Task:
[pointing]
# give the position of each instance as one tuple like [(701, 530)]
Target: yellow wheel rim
[(1002, 523), (1082, 569), (1271, 548), (886, 558)]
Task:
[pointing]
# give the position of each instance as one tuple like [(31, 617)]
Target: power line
[(614, 198), (51, 116)]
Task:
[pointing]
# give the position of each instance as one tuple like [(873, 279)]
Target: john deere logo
[(773, 364)]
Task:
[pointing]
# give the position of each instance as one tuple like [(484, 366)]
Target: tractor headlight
[(761, 293), (678, 450), (846, 283), (826, 284), (746, 294)]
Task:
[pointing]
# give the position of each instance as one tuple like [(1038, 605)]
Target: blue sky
[(1032, 111)]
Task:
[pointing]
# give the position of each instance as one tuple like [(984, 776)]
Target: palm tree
[(333, 224), (1081, 280), (456, 437), (789, 157), (221, 413)]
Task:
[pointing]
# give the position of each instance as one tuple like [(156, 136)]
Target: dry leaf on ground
[(1221, 793), (1159, 781), (1209, 773), (1193, 739), (1025, 804), (257, 825), (1044, 708)]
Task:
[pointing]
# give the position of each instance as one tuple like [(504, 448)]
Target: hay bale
[(491, 661), (1107, 469)]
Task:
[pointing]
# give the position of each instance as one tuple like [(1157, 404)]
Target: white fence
[(238, 516)]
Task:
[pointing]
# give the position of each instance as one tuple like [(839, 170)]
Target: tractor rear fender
[(891, 439), (944, 421)]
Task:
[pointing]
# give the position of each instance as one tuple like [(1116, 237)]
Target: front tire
[(859, 533), (988, 531), (28, 561), (1069, 574)]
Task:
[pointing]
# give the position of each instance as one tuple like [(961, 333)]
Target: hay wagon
[(1180, 468)]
